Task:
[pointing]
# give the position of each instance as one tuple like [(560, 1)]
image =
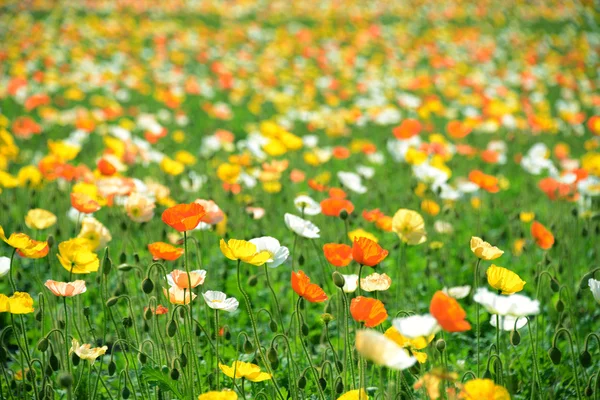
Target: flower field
[(222, 200)]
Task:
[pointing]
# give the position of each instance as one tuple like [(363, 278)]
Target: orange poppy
[(309, 291), (106, 168), (543, 237), (297, 176), (557, 190), (164, 251), (340, 152), (338, 255), (84, 203), (159, 310), (34, 250), (319, 187), (367, 252), (384, 223), (448, 313), (370, 311), (183, 217), (490, 156), (407, 129), (486, 182), (457, 129), (372, 215), (337, 193), (333, 207)]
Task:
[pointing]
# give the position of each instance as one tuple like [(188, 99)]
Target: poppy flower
[(542, 236), (66, 289), (225, 394), (84, 203), (309, 291), (240, 369), (338, 255), (219, 301), (177, 295), (413, 345), (38, 218), (484, 250), (307, 205), (179, 278), (375, 282), (483, 389), (332, 207), (370, 311), (407, 129), (367, 252), (409, 225), (504, 280), (457, 129), (139, 208), (382, 350), (486, 182), (76, 256), (164, 251), (159, 310), (18, 303), (448, 313), (245, 251), (337, 193), (183, 217), (356, 394), (301, 226), (36, 249), (94, 231), (86, 352), (372, 215)]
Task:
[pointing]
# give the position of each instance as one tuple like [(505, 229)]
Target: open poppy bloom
[(183, 217), (26, 246), (66, 289), (407, 129), (164, 251), (483, 389), (84, 203), (372, 215), (76, 256), (367, 252), (338, 255), (240, 369), (225, 394), (484, 250), (409, 225), (504, 280), (370, 311), (309, 291), (86, 352), (448, 313), (542, 236), (18, 303), (245, 251), (332, 207), (413, 345), (486, 182)]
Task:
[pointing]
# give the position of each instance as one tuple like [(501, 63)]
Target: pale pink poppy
[(179, 278), (66, 289)]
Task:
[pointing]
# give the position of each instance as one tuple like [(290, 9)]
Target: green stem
[(477, 324), (308, 357)]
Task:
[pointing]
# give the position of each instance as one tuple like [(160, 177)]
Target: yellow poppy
[(505, 280), (18, 303), (38, 218), (412, 344), (243, 250), (225, 394), (354, 395), (409, 226), (245, 370), (76, 256), (484, 250), (483, 389)]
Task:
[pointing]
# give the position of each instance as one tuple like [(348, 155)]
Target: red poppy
[(341, 153), (367, 252), (183, 217), (370, 311), (309, 291), (84, 203), (164, 251), (448, 313), (333, 207), (543, 237), (338, 255), (106, 168)]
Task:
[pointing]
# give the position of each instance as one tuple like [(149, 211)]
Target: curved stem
[(308, 357), (477, 330), (573, 356)]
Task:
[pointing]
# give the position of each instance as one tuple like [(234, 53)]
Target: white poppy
[(375, 282), (352, 181), (595, 288), (4, 266), (278, 252), (350, 283), (376, 347), (507, 323), (367, 172), (516, 305), (416, 326), (219, 301), (458, 292), (301, 226), (307, 204), (443, 227)]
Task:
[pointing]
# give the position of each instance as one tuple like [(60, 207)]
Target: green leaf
[(155, 375)]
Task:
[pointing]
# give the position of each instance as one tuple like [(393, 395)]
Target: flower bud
[(515, 338), (136, 257), (75, 359), (106, 263), (65, 380), (339, 366), (147, 285), (125, 393), (112, 368), (554, 285), (487, 374), (301, 260), (555, 355), (183, 360), (248, 347), (589, 391), (273, 326), (112, 301), (127, 322), (86, 311), (302, 382), (252, 280), (142, 357), (43, 344), (171, 328), (272, 354), (585, 358), (339, 385), (53, 362), (323, 382), (304, 329), (50, 240), (343, 215), (338, 279), (327, 318), (148, 314), (560, 306), (2, 355), (174, 374), (38, 315)]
